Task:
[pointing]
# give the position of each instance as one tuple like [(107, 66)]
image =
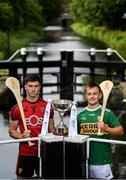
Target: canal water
[(8, 152)]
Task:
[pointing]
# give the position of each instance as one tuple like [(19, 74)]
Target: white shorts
[(100, 171)]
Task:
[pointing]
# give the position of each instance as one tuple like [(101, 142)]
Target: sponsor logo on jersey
[(42, 109), (34, 120), (88, 128)]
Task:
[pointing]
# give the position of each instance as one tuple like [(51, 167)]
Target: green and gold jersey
[(87, 119)]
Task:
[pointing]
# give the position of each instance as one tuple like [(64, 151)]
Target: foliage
[(30, 11), (18, 39), (98, 12), (3, 41), (18, 14), (51, 10), (20, 21), (6, 15), (114, 39)]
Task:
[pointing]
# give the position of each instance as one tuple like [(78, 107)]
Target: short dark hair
[(32, 78), (92, 85)]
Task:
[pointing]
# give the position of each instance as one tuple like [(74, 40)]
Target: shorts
[(27, 166), (100, 171)]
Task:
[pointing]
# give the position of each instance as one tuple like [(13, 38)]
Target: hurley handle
[(106, 87), (13, 84)]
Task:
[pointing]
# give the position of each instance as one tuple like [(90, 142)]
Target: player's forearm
[(15, 134), (115, 131)]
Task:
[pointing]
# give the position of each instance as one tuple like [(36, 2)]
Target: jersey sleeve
[(113, 120), (14, 114)]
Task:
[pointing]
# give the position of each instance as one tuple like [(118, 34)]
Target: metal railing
[(69, 68), (39, 51)]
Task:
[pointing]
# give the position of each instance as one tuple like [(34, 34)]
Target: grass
[(114, 39), (17, 40)]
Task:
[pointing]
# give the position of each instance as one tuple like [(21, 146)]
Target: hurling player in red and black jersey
[(34, 108)]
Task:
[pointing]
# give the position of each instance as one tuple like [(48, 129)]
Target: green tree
[(51, 10), (29, 11), (6, 16), (22, 13), (98, 12)]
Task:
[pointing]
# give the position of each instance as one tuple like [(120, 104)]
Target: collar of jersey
[(93, 109), (32, 102)]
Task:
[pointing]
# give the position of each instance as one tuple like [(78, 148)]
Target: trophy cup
[(61, 106)]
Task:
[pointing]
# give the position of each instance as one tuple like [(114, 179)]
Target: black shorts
[(27, 166)]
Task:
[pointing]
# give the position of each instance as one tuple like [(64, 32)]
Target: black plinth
[(52, 158), (63, 157), (75, 159)]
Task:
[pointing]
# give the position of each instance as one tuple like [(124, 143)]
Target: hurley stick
[(106, 87), (13, 84)]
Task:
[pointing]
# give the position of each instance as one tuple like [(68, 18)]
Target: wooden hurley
[(13, 84), (106, 87)]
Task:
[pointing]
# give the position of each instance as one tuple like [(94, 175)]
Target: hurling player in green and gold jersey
[(88, 124)]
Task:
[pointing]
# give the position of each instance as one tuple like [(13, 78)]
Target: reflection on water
[(8, 152), (4, 121), (119, 159), (8, 158)]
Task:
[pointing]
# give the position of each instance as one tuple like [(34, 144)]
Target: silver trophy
[(61, 106)]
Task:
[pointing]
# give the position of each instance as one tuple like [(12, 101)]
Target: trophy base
[(61, 131)]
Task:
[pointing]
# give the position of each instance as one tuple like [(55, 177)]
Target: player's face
[(92, 95), (32, 89)]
